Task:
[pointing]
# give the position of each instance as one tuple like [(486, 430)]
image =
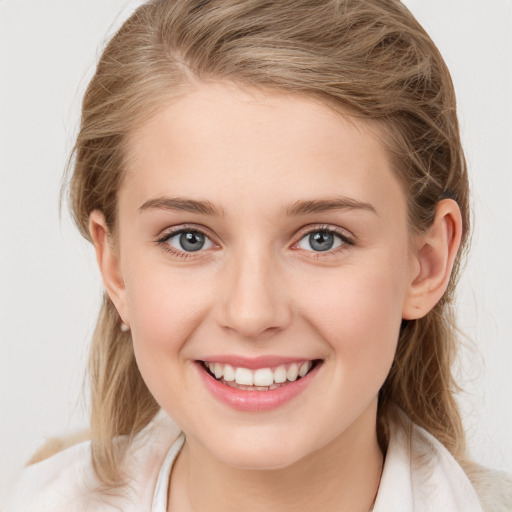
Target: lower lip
[(255, 401)]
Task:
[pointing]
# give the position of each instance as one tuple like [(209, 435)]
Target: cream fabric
[(419, 475)]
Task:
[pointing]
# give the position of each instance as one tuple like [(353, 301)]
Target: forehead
[(239, 146)]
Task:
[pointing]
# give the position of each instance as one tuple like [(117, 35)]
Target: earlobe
[(434, 257), (107, 256)]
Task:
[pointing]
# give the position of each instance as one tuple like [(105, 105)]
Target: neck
[(343, 475)]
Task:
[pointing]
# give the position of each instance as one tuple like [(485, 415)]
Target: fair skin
[(298, 250)]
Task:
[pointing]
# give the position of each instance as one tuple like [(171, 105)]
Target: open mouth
[(261, 379)]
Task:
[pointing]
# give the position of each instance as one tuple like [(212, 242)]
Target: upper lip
[(253, 363)]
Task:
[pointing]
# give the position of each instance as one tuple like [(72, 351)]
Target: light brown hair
[(369, 58)]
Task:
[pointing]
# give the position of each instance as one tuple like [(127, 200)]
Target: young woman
[(278, 199)]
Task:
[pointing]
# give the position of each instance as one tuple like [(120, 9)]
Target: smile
[(257, 389), (261, 379)]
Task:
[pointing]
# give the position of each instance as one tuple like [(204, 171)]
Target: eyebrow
[(303, 207), (183, 205), (328, 204)]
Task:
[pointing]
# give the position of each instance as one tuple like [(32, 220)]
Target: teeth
[(280, 375), (244, 376), (292, 372), (304, 369), (218, 371), (264, 378), (229, 373)]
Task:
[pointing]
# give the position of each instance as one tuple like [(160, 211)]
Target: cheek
[(163, 314), (358, 311), (164, 308)]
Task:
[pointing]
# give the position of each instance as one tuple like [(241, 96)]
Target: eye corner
[(332, 238), (190, 241)]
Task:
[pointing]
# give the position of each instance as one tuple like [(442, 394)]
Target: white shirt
[(419, 475), (162, 484)]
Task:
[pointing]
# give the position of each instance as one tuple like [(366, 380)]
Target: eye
[(187, 240), (321, 240)]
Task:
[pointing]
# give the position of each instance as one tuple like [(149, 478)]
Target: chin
[(260, 454)]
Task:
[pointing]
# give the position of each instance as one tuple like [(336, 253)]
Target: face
[(265, 237)]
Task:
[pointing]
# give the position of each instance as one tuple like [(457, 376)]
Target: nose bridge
[(255, 300)]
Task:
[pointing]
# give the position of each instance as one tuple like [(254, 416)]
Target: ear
[(107, 256), (433, 260)]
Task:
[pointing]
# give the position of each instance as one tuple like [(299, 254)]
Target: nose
[(254, 301)]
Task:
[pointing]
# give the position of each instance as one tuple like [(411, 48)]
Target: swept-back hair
[(366, 58)]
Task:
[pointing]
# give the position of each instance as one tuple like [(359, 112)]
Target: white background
[(49, 286)]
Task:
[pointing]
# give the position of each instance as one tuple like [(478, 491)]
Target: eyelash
[(164, 239), (345, 240)]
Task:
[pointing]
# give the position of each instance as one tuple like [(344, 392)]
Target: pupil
[(321, 241), (191, 241)]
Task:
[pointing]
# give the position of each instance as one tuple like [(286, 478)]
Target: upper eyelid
[(163, 240), (167, 234), (175, 230), (343, 233), (304, 231)]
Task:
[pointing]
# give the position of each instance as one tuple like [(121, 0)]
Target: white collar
[(162, 484), (420, 475)]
